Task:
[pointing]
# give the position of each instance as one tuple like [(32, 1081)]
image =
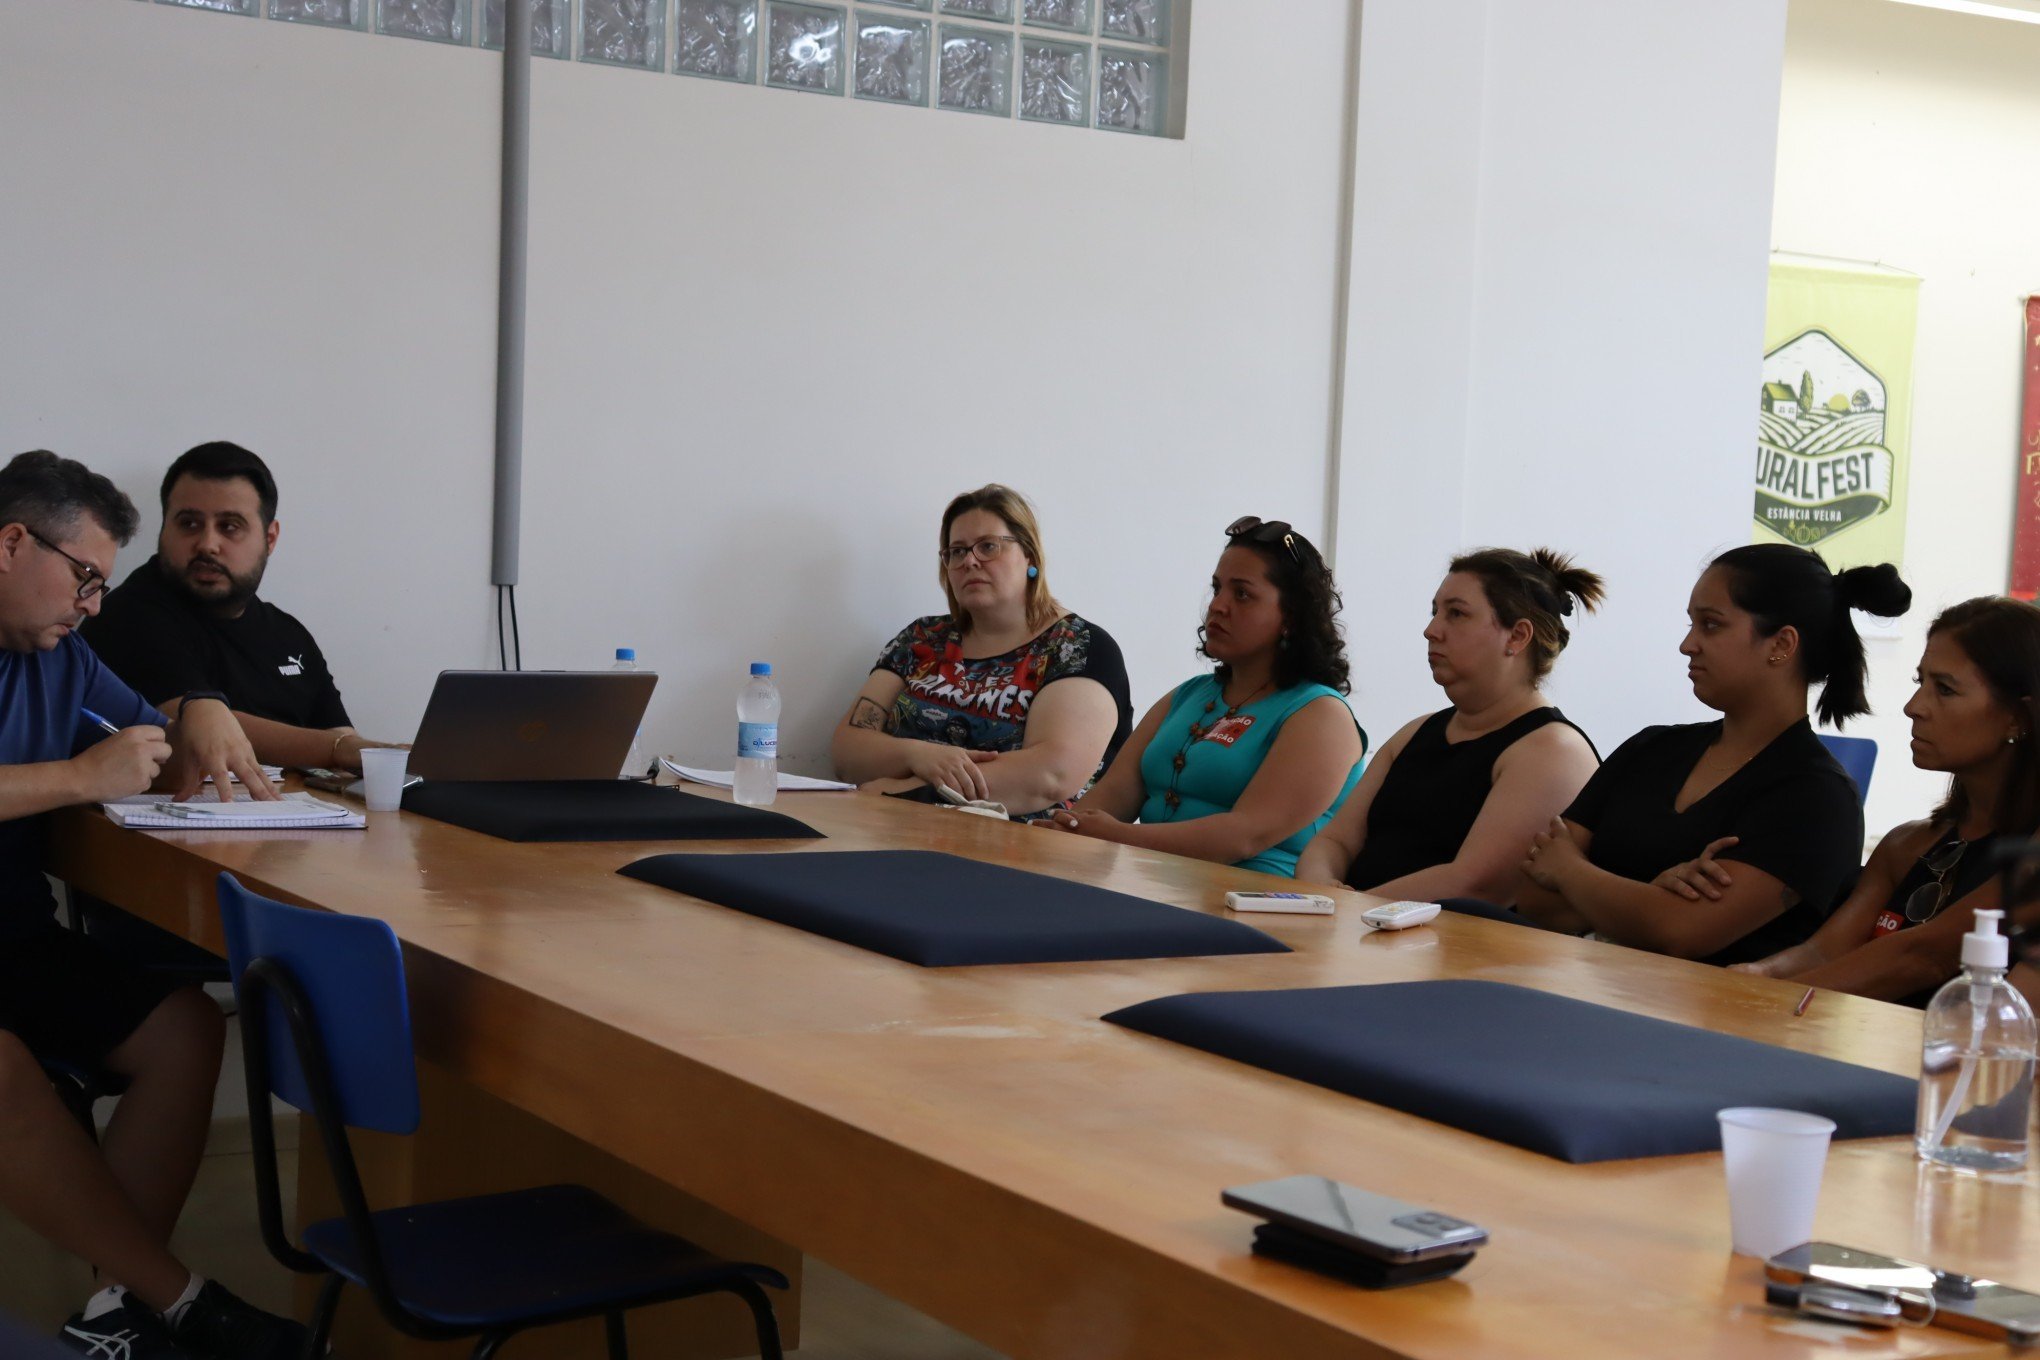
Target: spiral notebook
[(156, 813)]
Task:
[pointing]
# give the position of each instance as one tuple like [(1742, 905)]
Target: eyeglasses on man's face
[(1254, 529), (984, 550), (90, 581)]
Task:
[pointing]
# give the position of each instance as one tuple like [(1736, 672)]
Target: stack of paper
[(788, 783), (274, 773), (155, 812)]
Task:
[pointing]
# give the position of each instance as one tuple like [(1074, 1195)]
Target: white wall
[(1559, 239), (1909, 137), (770, 335)]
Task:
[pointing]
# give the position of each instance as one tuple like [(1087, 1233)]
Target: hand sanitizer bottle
[(1976, 1062)]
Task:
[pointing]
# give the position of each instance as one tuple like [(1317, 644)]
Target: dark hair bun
[(1875, 590), (1575, 584)]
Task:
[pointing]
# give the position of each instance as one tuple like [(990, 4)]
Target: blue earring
[(1033, 572)]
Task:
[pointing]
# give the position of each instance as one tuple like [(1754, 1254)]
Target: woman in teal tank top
[(1242, 766)]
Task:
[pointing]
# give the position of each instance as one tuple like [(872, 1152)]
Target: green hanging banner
[(1835, 410)]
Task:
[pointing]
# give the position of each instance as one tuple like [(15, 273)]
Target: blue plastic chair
[(1858, 756), (326, 1027)]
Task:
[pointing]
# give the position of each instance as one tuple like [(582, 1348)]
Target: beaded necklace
[(1198, 731)]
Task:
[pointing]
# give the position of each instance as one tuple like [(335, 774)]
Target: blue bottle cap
[(761, 668), (626, 653)]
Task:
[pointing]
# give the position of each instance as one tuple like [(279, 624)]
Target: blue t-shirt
[(42, 698), (1218, 766)]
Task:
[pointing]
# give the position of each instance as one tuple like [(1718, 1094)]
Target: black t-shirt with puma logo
[(165, 644)]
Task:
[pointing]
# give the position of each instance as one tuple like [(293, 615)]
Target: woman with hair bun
[(1766, 623), (1974, 715), (1446, 807), (1241, 765)]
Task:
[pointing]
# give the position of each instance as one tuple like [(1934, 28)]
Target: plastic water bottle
[(1976, 1062), (757, 776), (636, 763)]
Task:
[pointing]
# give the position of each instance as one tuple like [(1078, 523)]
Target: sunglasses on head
[(1254, 529)]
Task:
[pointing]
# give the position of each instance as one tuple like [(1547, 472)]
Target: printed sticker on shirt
[(1887, 922), (294, 666), (1226, 731)]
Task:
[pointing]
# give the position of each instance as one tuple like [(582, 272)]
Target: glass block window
[(892, 60), (1133, 90), (624, 32), (436, 20), (1112, 65), (1072, 16), (1055, 82), (1141, 21), (804, 47), (717, 39), (976, 71), (331, 13), (222, 6), (552, 30)]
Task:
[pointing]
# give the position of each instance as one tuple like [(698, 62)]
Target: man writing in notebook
[(64, 999), (189, 617)]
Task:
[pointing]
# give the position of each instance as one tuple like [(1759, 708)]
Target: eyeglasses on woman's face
[(984, 550)]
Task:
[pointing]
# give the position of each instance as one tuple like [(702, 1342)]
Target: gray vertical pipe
[(510, 288)]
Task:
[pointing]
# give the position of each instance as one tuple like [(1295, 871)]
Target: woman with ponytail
[(1756, 785), (1446, 807), (1974, 713)]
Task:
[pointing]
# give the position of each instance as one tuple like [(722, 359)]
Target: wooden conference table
[(974, 1142)]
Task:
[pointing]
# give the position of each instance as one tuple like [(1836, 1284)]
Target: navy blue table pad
[(594, 810), (1567, 1078), (941, 911)]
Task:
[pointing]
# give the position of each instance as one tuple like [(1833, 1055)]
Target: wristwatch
[(206, 694)]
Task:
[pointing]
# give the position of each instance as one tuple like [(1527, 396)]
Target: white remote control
[(1302, 904), (1400, 915)]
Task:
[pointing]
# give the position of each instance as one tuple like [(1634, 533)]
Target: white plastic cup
[(382, 770), (1774, 1160)]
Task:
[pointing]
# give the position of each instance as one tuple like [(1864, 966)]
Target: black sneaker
[(129, 1332), (218, 1326)]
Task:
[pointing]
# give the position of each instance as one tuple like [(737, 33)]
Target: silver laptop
[(530, 724)]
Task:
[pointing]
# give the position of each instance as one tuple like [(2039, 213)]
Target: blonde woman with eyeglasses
[(1008, 697)]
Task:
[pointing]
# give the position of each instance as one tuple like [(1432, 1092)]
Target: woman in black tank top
[(1447, 806), (1898, 936)]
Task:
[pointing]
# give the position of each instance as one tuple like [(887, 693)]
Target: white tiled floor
[(844, 1320)]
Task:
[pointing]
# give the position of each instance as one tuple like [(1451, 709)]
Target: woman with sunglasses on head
[(1767, 622), (1446, 807), (1898, 937), (1242, 765), (1008, 698)]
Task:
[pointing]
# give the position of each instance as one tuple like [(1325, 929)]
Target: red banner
[(2026, 520)]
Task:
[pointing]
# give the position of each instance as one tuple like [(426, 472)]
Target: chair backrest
[(1857, 755), (351, 971)]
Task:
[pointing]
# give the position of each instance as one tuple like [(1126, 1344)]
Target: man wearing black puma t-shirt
[(189, 618)]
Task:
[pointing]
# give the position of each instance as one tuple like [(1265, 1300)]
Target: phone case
[(1314, 1253)]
